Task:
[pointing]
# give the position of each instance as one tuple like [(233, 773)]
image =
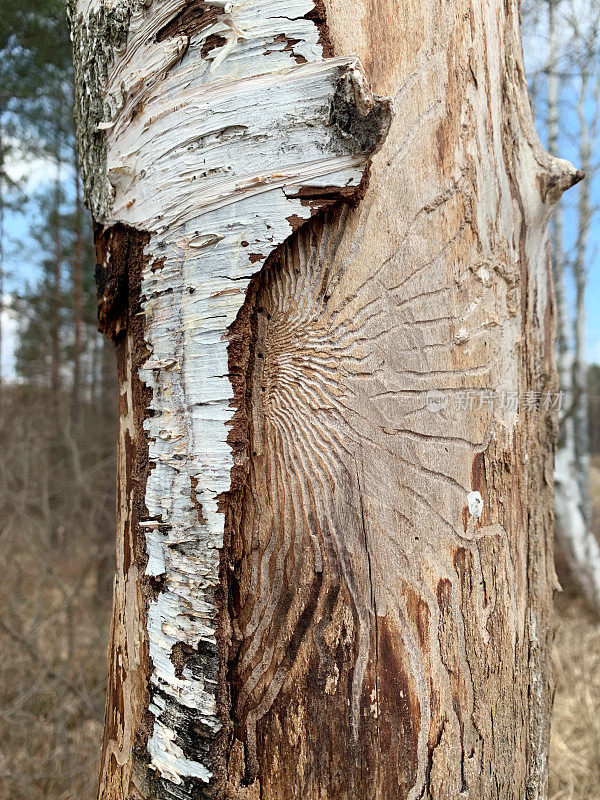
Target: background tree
[(593, 383), (568, 72)]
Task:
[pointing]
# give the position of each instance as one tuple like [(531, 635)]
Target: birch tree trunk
[(577, 543), (334, 560)]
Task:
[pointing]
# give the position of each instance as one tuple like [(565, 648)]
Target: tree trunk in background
[(55, 309), (334, 554), (108, 380), (584, 221), (77, 280), (577, 544)]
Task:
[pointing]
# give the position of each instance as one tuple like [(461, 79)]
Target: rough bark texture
[(325, 588), (127, 721)]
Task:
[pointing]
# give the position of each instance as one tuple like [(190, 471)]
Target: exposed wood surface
[(336, 591)]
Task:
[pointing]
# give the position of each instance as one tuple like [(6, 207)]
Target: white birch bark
[(575, 536)]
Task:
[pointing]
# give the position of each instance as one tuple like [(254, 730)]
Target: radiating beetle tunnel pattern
[(331, 429)]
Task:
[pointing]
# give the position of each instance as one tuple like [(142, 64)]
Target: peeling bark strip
[(210, 155), (344, 591)]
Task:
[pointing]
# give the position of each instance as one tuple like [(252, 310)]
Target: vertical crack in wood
[(355, 719)]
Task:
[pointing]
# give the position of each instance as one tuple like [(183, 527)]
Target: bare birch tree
[(572, 60), (334, 550)]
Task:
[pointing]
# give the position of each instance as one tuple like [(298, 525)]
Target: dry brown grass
[(595, 492), (575, 743), (56, 560)]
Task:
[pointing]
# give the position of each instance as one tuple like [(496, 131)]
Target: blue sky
[(22, 256), (593, 274), (536, 49)]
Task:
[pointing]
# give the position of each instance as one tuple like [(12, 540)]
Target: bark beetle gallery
[(306, 605)]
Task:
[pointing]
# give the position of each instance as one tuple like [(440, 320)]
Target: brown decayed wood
[(384, 643), (120, 261), (193, 18)]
